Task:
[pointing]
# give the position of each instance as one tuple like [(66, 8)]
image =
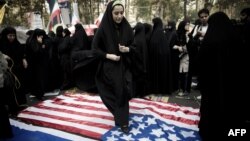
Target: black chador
[(114, 78), (159, 60), (139, 52)]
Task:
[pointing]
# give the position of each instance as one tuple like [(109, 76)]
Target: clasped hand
[(123, 49)]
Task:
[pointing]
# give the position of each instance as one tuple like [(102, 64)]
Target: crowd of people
[(120, 62)]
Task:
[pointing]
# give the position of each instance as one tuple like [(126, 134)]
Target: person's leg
[(5, 127)]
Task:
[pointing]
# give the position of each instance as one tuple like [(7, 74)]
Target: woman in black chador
[(37, 51), (139, 51), (10, 46), (159, 60), (217, 73), (114, 78)]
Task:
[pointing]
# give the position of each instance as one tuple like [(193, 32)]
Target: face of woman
[(11, 37), (117, 13), (187, 26)]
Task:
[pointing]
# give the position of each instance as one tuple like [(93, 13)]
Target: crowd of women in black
[(153, 65)]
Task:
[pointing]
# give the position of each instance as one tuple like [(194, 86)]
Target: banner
[(2, 12), (75, 15), (55, 16)]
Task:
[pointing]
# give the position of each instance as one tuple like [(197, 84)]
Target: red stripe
[(55, 14), (68, 119), (83, 132), (165, 107), (75, 113), (146, 102), (81, 106), (157, 106)]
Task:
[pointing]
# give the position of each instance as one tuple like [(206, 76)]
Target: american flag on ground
[(86, 115)]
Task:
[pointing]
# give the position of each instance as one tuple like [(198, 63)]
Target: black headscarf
[(108, 28), (80, 39), (12, 49), (181, 32), (141, 49)]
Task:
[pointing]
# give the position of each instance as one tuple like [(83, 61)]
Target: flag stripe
[(98, 122), (176, 115), (83, 129), (170, 113)]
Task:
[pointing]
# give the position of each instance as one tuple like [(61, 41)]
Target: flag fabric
[(55, 15), (27, 132), (64, 6), (75, 15), (2, 12), (86, 115), (51, 4), (64, 3)]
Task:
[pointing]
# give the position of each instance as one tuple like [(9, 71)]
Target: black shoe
[(125, 129)]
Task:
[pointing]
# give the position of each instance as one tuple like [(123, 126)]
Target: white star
[(135, 131), (186, 134), (165, 127), (112, 138), (157, 132), (137, 118), (141, 126), (173, 137), (127, 137), (144, 139), (117, 133), (161, 139), (151, 121), (131, 122)]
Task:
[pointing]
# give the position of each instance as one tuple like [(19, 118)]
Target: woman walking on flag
[(114, 78)]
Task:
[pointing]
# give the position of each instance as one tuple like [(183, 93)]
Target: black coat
[(218, 79), (159, 60), (114, 79)]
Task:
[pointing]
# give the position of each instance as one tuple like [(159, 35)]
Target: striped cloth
[(86, 115)]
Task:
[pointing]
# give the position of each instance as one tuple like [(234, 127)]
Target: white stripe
[(177, 113), (75, 96), (195, 110), (169, 121), (174, 113), (72, 116), (97, 98), (63, 123), (81, 110), (50, 131)]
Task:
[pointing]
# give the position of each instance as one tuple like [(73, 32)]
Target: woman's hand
[(25, 64), (113, 57), (123, 49)]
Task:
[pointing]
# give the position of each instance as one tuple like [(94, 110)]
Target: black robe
[(38, 60), (16, 52), (84, 63), (218, 78), (114, 79), (139, 52), (159, 61)]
